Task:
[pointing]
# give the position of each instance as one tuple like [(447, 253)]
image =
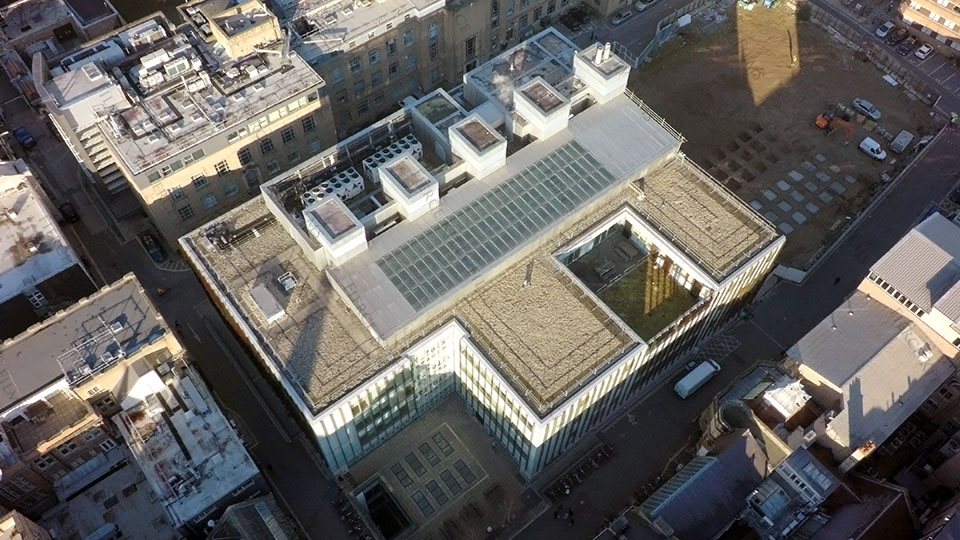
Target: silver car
[(867, 109)]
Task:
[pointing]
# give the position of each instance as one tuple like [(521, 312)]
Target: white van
[(697, 377), (872, 149)]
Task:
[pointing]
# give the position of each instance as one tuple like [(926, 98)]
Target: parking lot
[(748, 110)]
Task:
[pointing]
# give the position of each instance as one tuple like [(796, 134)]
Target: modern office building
[(104, 371), (534, 241), (40, 272), (191, 119)]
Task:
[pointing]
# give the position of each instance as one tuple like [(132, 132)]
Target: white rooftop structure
[(32, 244), (327, 27), (786, 396), (187, 449), (157, 92)]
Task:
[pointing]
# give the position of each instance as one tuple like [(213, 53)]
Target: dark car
[(153, 248), (896, 36), (69, 213), (904, 48), (955, 196), (25, 138)]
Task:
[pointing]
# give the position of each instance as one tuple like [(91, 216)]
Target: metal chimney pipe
[(607, 47), (599, 56)]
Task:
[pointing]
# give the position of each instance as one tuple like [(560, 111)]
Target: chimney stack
[(606, 51), (599, 57)]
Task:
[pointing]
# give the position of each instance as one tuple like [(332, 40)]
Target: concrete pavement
[(650, 434)]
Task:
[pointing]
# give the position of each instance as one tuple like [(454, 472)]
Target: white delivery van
[(872, 149), (697, 377)]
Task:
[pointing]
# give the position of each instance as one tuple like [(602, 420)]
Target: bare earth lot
[(745, 93)]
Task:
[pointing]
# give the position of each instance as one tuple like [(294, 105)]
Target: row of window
[(355, 64), (897, 295)]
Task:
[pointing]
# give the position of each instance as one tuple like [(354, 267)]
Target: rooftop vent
[(116, 326), (288, 281)]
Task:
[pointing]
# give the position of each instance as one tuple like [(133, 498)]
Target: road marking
[(952, 75), (936, 69), (194, 332)]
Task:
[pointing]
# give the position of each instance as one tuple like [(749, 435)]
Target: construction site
[(765, 101)]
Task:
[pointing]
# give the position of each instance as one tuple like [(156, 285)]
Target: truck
[(696, 378), (901, 141)]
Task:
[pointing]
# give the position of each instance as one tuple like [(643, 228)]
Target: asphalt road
[(648, 436)]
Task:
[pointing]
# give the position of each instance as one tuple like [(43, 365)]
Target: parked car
[(955, 196), (69, 213), (924, 51), (25, 138), (896, 36), (153, 248), (872, 148), (904, 48), (620, 17), (644, 4), (866, 108), (884, 29)]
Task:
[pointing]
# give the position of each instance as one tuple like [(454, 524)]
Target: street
[(647, 436)]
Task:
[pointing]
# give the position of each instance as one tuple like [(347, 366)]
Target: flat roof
[(77, 336), (420, 262), (477, 134), (29, 16), (332, 217), (178, 108), (188, 451), (48, 419), (872, 354), (707, 222), (33, 246), (342, 25), (540, 94), (408, 174), (547, 337)]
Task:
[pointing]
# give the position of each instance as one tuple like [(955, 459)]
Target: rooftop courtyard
[(633, 280)]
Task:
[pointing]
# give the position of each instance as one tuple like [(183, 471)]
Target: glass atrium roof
[(437, 260)]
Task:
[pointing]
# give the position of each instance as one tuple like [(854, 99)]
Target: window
[(21, 482), (358, 88), (470, 47), (91, 434), (355, 65), (313, 146), (391, 47), (376, 78), (435, 75), (293, 156), (222, 168), (946, 393), (362, 108), (245, 157), (378, 99), (524, 3), (43, 462), (200, 181), (393, 68), (273, 166), (494, 13), (537, 13), (510, 8), (551, 6), (230, 189), (67, 448), (434, 41), (287, 134), (108, 445), (177, 194), (340, 96), (266, 145), (309, 124), (373, 56), (209, 201), (153, 177), (186, 212), (408, 38), (410, 60), (336, 75), (523, 21)]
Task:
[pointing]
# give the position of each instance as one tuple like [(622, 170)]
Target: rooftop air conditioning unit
[(116, 326)]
